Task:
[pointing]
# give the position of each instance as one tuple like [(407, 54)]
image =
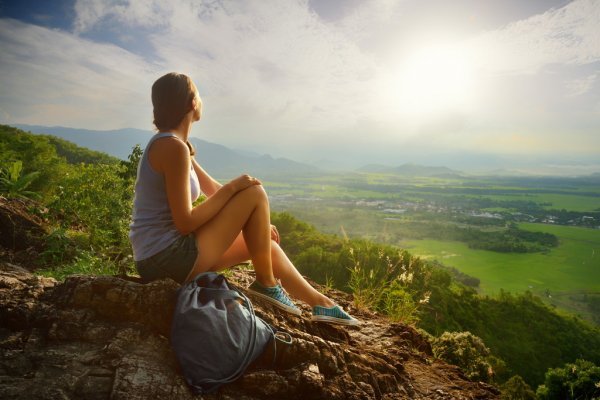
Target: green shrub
[(385, 282), (580, 380), (14, 184), (95, 199), (36, 154), (516, 389), (466, 351), (399, 305), (59, 247)]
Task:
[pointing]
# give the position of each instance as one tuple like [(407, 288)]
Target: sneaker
[(332, 315), (274, 295)]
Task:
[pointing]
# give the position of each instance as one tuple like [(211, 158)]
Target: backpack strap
[(249, 350), (209, 293)]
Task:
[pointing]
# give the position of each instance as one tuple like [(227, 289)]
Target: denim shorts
[(175, 262)]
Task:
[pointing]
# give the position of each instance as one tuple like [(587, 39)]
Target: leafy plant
[(14, 184), (466, 351), (365, 288), (59, 247), (129, 171), (94, 198), (579, 380), (328, 284), (386, 284), (86, 262), (399, 305), (516, 389)]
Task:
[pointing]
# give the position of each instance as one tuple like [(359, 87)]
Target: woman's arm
[(207, 183), (210, 186), (173, 160)]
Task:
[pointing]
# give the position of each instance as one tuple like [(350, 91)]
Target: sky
[(470, 84)]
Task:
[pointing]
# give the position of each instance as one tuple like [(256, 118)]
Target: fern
[(14, 184)]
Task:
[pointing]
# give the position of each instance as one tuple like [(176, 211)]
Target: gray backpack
[(215, 333)]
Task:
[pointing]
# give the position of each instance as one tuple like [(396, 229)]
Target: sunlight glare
[(436, 79)]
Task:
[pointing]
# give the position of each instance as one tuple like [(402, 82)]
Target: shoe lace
[(282, 296)]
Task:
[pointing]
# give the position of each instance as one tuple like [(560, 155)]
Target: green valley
[(479, 226)]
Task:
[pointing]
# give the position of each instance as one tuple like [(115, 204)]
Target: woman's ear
[(196, 102), (196, 108)]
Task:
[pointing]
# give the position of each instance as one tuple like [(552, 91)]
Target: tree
[(517, 389), (130, 166), (580, 380)]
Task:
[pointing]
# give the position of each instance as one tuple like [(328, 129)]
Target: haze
[(470, 84)]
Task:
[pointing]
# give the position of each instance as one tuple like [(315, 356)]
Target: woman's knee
[(256, 193)]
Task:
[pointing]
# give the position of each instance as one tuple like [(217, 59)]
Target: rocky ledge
[(103, 337)]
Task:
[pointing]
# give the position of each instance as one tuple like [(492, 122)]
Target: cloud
[(260, 66), (264, 69), (90, 13), (371, 21), (277, 76), (577, 87), (568, 35), (51, 77)]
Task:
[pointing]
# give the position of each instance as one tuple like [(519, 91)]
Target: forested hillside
[(522, 331), (85, 198)]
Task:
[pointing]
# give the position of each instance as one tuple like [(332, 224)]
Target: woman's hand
[(243, 182), (275, 234)]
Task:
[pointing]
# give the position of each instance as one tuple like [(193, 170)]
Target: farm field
[(428, 216), (562, 277), (573, 266)]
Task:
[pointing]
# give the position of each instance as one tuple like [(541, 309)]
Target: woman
[(171, 238)]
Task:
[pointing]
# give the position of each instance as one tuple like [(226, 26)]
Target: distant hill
[(72, 153), (117, 143), (218, 160), (375, 168), (411, 170)]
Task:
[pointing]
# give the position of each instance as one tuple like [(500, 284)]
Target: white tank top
[(152, 228)]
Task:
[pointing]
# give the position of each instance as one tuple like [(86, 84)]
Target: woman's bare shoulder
[(165, 151)]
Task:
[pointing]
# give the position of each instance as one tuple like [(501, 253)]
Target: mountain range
[(411, 169), (225, 163), (220, 161)]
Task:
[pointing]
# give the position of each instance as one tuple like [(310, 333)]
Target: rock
[(22, 233), (101, 337), (19, 227)]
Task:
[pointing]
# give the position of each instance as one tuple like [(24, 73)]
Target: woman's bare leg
[(283, 269), (247, 211)]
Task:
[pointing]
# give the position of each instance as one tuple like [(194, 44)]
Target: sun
[(435, 79)]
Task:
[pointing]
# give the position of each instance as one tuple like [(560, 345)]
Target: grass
[(573, 265), (400, 188), (570, 202), (86, 264), (568, 270)]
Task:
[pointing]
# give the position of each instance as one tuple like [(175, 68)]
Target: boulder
[(104, 337)]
